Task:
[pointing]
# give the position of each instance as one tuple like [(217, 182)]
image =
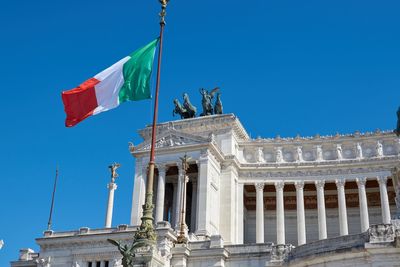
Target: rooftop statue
[(218, 105), (191, 110), (179, 109), (397, 131), (206, 101)]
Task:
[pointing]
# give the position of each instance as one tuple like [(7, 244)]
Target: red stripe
[(80, 102)]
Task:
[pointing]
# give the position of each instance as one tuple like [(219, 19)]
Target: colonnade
[(176, 203), (322, 227)]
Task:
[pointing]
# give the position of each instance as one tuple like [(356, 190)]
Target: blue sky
[(284, 67)]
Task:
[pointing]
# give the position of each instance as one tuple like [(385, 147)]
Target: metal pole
[(146, 230), (52, 200)]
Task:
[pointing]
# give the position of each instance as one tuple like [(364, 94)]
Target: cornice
[(200, 126), (317, 139)]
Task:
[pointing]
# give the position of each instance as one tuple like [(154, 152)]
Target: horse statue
[(206, 101), (179, 109), (188, 106), (218, 105)]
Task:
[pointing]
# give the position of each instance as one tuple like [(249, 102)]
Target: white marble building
[(303, 201)]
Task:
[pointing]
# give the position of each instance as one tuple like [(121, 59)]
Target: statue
[(190, 109), (218, 105), (359, 151), (260, 155), (179, 109), (299, 154), (379, 149), (397, 131), (126, 252), (279, 155), (206, 101), (339, 152), (114, 174), (319, 154)]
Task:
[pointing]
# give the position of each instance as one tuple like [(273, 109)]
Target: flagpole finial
[(163, 12)]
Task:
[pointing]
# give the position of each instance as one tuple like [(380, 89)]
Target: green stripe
[(137, 73)]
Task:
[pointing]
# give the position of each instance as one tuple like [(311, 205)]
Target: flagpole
[(52, 200), (146, 230)]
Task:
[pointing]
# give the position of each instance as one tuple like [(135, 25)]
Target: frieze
[(324, 152), (378, 170)]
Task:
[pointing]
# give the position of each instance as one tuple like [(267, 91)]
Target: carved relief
[(381, 233), (280, 252)]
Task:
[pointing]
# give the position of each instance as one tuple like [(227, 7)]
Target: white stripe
[(107, 90)]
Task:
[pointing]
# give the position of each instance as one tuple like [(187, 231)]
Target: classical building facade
[(303, 201)]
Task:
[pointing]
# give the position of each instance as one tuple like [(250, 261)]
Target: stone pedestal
[(148, 256), (180, 254)]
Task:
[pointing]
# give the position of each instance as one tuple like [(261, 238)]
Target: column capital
[(162, 168), (361, 182), (279, 185), (299, 185), (381, 180), (320, 184), (112, 186), (259, 186), (340, 183)]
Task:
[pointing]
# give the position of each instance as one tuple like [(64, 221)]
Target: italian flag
[(126, 80)]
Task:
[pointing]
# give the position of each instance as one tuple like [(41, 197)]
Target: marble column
[(160, 194), (301, 219), (280, 213), (178, 197), (110, 204), (193, 207), (384, 199), (102, 264), (322, 233), (362, 197), (259, 212), (340, 183), (139, 190), (174, 199)]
